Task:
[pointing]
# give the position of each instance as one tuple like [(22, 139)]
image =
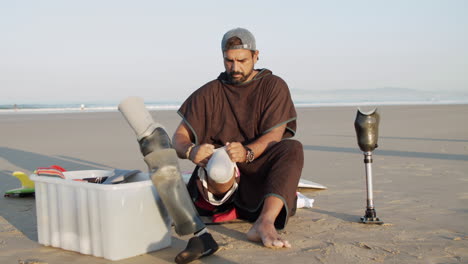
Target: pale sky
[(103, 51)]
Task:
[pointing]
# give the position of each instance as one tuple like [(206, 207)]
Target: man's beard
[(241, 80)]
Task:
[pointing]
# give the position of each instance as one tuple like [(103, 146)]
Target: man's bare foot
[(265, 232)]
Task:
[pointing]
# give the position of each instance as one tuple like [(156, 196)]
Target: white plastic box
[(111, 221)]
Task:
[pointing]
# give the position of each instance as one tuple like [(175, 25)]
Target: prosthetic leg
[(162, 161), (367, 132)]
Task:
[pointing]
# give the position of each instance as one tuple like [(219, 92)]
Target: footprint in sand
[(397, 202), (418, 166)]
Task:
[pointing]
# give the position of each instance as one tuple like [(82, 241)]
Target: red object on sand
[(220, 217), (226, 216)]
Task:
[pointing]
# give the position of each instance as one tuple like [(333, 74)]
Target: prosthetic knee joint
[(162, 161)]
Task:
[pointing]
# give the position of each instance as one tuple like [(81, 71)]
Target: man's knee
[(291, 148)]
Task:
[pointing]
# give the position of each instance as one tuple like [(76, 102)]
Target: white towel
[(304, 201)]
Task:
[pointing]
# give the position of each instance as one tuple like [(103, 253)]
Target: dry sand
[(420, 183)]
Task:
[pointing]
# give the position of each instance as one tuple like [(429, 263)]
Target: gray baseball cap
[(248, 40)]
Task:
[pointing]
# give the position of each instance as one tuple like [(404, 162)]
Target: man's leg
[(263, 230), (272, 182)]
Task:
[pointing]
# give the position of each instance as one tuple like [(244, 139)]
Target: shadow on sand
[(29, 161), (396, 153), (342, 216), (409, 138)]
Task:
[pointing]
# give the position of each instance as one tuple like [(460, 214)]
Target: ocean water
[(301, 98), (78, 108)]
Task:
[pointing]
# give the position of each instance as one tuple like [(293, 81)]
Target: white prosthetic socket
[(162, 161), (220, 169)]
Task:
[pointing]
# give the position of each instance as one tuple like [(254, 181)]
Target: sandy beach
[(420, 186)]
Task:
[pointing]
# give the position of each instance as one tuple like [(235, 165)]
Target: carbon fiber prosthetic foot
[(197, 247)]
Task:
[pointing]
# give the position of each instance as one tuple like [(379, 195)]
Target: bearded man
[(237, 130)]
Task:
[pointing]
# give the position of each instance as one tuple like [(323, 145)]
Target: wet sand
[(420, 186)]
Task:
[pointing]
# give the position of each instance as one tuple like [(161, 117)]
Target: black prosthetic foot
[(197, 247), (371, 218)]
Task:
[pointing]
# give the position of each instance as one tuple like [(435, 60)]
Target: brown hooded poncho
[(220, 112)]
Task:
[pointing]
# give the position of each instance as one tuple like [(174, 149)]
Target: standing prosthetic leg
[(162, 161), (367, 132)]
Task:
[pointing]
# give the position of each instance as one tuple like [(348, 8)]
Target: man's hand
[(236, 151), (201, 154)]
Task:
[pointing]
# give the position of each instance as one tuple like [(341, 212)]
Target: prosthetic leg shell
[(165, 174), (367, 129)]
